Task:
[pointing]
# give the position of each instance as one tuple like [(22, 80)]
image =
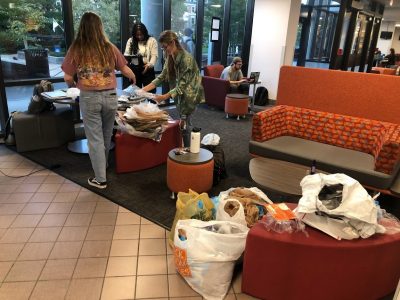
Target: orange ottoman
[(133, 153), (190, 171), (236, 104)]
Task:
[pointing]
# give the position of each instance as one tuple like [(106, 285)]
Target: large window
[(32, 41), (236, 28), (34, 36), (109, 12), (183, 22)]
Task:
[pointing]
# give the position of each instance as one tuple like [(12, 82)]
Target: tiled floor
[(59, 240)]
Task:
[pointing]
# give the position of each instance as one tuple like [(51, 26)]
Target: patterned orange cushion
[(380, 139)]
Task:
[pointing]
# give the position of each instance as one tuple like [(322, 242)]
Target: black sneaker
[(93, 182)]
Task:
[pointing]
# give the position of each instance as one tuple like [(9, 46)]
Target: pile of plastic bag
[(209, 235), (144, 120)]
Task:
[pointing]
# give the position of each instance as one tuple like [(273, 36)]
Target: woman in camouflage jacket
[(183, 76)]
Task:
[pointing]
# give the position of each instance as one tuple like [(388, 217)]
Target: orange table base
[(293, 266), (182, 177)]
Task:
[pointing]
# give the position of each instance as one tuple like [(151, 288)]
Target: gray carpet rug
[(146, 192)]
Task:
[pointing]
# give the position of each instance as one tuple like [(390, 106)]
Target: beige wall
[(396, 41), (273, 39)]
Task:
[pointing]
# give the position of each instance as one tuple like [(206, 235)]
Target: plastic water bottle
[(195, 140)]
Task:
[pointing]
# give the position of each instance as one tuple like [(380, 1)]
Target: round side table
[(236, 104), (190, 171)]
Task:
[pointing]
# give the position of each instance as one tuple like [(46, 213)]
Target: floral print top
[(92, 76)]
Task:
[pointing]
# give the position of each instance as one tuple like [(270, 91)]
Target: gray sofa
[(321, 116)]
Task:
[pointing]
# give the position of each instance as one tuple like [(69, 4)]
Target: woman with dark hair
[(93, 59), (391, 58), (182, 74), (142, 51)]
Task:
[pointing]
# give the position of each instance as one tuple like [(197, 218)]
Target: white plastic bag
[(73, 93), (356, 216), (210, 139), (225, 194), (205, 254), (226, 199), (222, 215)]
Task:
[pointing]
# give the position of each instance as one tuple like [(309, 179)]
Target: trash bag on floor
[(205, 254), (192, 206)]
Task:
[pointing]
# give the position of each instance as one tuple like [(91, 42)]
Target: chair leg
[(172, 196), (227, 116), (238, 118)]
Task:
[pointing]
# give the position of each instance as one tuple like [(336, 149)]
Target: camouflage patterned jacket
[(186, 89)]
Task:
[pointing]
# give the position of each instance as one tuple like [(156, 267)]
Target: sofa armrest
[(388, 157), (215, 91), (269, 124)]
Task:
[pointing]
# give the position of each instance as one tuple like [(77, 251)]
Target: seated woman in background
[(391, 58), (142, 53)]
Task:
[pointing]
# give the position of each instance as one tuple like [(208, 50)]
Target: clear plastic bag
[(390, 222), (280, 218), (289, 226)]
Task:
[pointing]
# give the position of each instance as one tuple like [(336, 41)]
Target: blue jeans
[(98, 110)]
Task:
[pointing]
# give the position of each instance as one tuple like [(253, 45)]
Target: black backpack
[(261, 97), (37, 104), (219, 162)]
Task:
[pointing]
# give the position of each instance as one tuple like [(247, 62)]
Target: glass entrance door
[(323, 35)]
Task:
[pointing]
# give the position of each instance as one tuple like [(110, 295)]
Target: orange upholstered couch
[(215, 88), (348, 122)]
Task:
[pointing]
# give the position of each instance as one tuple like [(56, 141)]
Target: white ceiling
[(391, 13), (387, 2)]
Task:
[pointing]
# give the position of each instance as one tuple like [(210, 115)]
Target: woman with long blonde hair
[(182, 74), (94, 59)]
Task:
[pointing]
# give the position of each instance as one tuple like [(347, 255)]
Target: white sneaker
[(93, 182)]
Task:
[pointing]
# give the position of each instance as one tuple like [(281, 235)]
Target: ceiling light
[(397, 25), (391, 2), (216, 5)]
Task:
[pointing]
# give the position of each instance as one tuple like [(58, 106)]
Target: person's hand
[(133, 80), (146, 68), (161, 98), (182, 124), (243, 80)]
